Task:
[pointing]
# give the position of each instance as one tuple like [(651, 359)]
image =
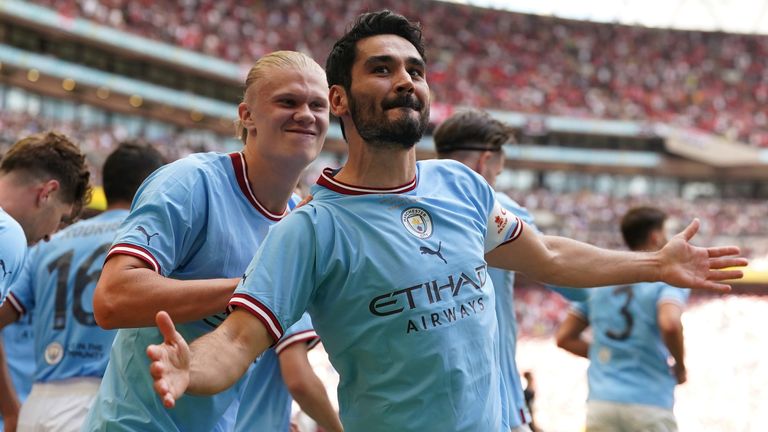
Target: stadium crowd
[(491, 59), (97, 142)]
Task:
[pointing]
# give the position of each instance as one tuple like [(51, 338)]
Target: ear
[(45, 190), (245, 115), (482, 161), (657, 239), (339, 101)]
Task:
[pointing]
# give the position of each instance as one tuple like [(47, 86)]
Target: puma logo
[(5, 273), (146, 234), (425, 250)]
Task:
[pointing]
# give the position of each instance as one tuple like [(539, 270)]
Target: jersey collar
[(241, 173), (326, 180)]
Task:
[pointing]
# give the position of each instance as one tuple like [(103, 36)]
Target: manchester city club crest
[(417, 221), (54, 352)]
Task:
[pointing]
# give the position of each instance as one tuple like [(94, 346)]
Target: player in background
[(636, 334), (43, 182), (57, 284), (281, 374), (17, 349), (191, 232), (397, 287), (476, 139)]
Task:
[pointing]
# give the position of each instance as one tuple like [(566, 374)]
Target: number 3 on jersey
[(82, 279), (629, 321)]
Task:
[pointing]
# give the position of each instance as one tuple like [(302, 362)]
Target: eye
[(416, 72), (318, 106), (286, 102), (381, 69)]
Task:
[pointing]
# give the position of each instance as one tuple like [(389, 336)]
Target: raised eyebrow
[(415, 61), (375, 60), (410, 61)]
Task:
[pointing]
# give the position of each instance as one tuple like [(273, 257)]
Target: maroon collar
[(241, 173), (326, 180)]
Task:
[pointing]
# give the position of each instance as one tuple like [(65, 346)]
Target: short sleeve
[(22, 293), (518, 210), (670, 294), (13, 250), (301, 332), (581, 310), (166, 218), (279, 283), (503, 227)]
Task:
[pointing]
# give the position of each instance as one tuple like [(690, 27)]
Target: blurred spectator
[(493, 59)]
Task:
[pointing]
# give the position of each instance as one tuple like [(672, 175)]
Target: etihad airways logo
[(469, 287)]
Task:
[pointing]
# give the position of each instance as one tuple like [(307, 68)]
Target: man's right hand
[(680, 373), (170, 362)]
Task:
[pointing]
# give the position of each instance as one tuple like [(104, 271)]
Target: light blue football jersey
[(58, 287), (19, 347), (628, 358), (195, 218), (397, 286), (13, 249), (266, 402), (515, 411)]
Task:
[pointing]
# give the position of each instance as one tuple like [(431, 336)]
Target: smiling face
[(286, 113), (388, 101)]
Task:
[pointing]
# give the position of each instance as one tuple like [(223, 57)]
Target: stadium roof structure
[(729, 16)]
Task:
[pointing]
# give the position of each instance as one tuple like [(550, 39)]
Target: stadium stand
[(586, 98), (493, 59)]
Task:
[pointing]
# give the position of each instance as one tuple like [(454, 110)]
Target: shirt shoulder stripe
[(15, 303), (260, 311), (308, 336), (515, 233), (136, 251)]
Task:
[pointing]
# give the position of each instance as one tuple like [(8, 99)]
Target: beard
[(403, 132)]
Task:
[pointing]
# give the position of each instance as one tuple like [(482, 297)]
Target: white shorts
[(59, 406), (521, 428), (605, 416)]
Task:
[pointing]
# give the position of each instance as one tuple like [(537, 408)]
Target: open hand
[(687, 266), (170, 362)]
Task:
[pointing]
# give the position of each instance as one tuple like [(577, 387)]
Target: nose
[(303, 115), (403, 81)]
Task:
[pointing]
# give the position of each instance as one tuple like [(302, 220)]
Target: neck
[(272, 183), (118, 205), (377, 167), (14, 196)]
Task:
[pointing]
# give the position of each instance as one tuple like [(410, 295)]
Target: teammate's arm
[(570, 335), (129, 294), (8, 314), (212, 363), (9, 401), (671, 328), (306, 388), (561, 261)]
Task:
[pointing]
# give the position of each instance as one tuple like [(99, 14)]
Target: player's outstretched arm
[(688, 266), (306, 388), (565, 262), (212, 363), (129, 294)]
